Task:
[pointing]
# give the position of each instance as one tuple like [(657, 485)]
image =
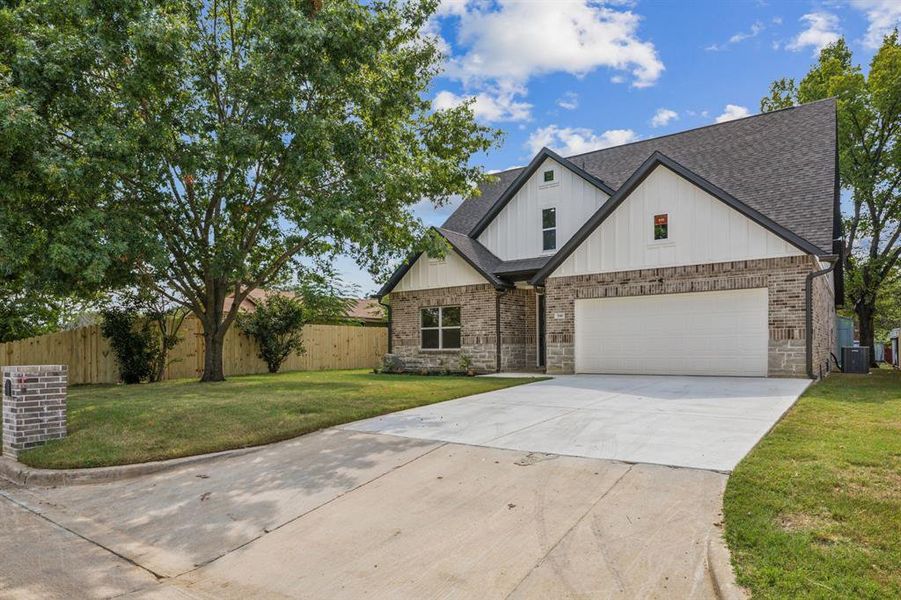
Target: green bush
[(133, 343), (276, 326)]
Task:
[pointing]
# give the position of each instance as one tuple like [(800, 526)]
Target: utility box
[(856, 359)]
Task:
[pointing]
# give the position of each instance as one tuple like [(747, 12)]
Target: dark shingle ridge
[(780, 163)]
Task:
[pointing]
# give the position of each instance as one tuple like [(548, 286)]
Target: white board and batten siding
[(702, 229), (698, 333), (427, 273), (516, 231)]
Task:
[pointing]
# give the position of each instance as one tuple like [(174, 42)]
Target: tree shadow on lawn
[(172, 522)]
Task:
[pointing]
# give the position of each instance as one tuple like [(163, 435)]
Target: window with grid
[(549, 229), (440, 328)]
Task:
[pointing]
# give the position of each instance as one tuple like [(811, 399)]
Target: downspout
[(390, 327), (808, 300), (497, 329)]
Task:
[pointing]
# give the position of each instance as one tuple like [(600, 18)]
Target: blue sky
[(578, 75)]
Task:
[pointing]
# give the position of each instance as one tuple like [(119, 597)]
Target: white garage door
[(705, 333)]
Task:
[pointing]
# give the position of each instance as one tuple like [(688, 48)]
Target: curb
[(720, 568), (24, 475)]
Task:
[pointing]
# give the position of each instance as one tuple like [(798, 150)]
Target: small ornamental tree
[(277, 323), (211, 148), (277, 326)]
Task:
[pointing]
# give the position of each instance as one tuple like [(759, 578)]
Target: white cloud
[(569, 101), (883, 16), (822, 30), (733, 111), (515, 40), (663, 116), (739, 37), (576, 140), (491, 106)]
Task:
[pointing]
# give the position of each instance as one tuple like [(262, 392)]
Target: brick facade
[(34, 410), (518, 330), (823, 313), (478, 311), (785, 279)]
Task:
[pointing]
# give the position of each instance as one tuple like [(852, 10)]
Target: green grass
[(815, 510), (117, 424)]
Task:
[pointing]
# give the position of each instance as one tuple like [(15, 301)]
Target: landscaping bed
[(815, 510), (117, 424)]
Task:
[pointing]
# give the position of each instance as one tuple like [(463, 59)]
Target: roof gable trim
[(641, 173), (524, 176), (408, 264)]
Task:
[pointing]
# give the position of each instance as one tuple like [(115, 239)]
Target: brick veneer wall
[(518, 325), (784, 278), (478, 329), (35, 410), (823, 301)]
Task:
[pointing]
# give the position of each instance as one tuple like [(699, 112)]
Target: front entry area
[(698, 333)]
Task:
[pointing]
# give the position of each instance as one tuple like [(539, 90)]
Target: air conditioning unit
[(856, 359)]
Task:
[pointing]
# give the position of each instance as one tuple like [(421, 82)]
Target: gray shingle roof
[(781, 164), (521, 265)]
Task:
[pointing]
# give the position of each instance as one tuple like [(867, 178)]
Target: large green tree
[(869, 126), (210, 148)]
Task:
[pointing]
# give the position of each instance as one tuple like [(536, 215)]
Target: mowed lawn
[(815, 510), (117, 424)]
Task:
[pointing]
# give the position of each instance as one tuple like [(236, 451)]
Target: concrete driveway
[(345, 514), (695, 422)]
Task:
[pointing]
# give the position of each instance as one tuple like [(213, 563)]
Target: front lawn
[(117, 424), (815, 510)]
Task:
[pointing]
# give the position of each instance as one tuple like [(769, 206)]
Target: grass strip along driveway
[(815, 510), (117, 424)]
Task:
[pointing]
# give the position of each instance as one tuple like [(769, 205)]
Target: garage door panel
[(703, 333)]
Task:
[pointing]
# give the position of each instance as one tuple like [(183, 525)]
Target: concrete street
[(347, 513)]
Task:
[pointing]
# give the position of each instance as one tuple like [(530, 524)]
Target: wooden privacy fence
[(91, 360)]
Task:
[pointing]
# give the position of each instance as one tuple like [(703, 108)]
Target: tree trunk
[(214, 328), (865, 312), (212, 354)]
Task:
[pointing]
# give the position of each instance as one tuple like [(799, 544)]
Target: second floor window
[(549, 229), (661, 227)]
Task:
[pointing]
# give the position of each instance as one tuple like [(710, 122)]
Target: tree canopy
[(869, 126), (206, 149)]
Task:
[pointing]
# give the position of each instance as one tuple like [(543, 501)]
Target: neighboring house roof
[(367, 310), (777, 168), (362, 309)]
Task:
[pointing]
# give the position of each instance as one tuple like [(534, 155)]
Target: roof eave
[(386, 289), (524, 176)]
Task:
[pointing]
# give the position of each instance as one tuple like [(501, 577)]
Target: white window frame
[(440, 328), (668, 240), (543, 229)]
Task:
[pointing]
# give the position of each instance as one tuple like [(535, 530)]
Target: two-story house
[(706, 252)]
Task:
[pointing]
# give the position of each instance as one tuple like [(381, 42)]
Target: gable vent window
[(549, 229), (548, 176), (661, 227)]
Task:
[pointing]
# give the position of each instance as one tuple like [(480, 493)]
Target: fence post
[(34, 406)]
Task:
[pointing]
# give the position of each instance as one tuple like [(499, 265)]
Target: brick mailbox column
[(34, 406)]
